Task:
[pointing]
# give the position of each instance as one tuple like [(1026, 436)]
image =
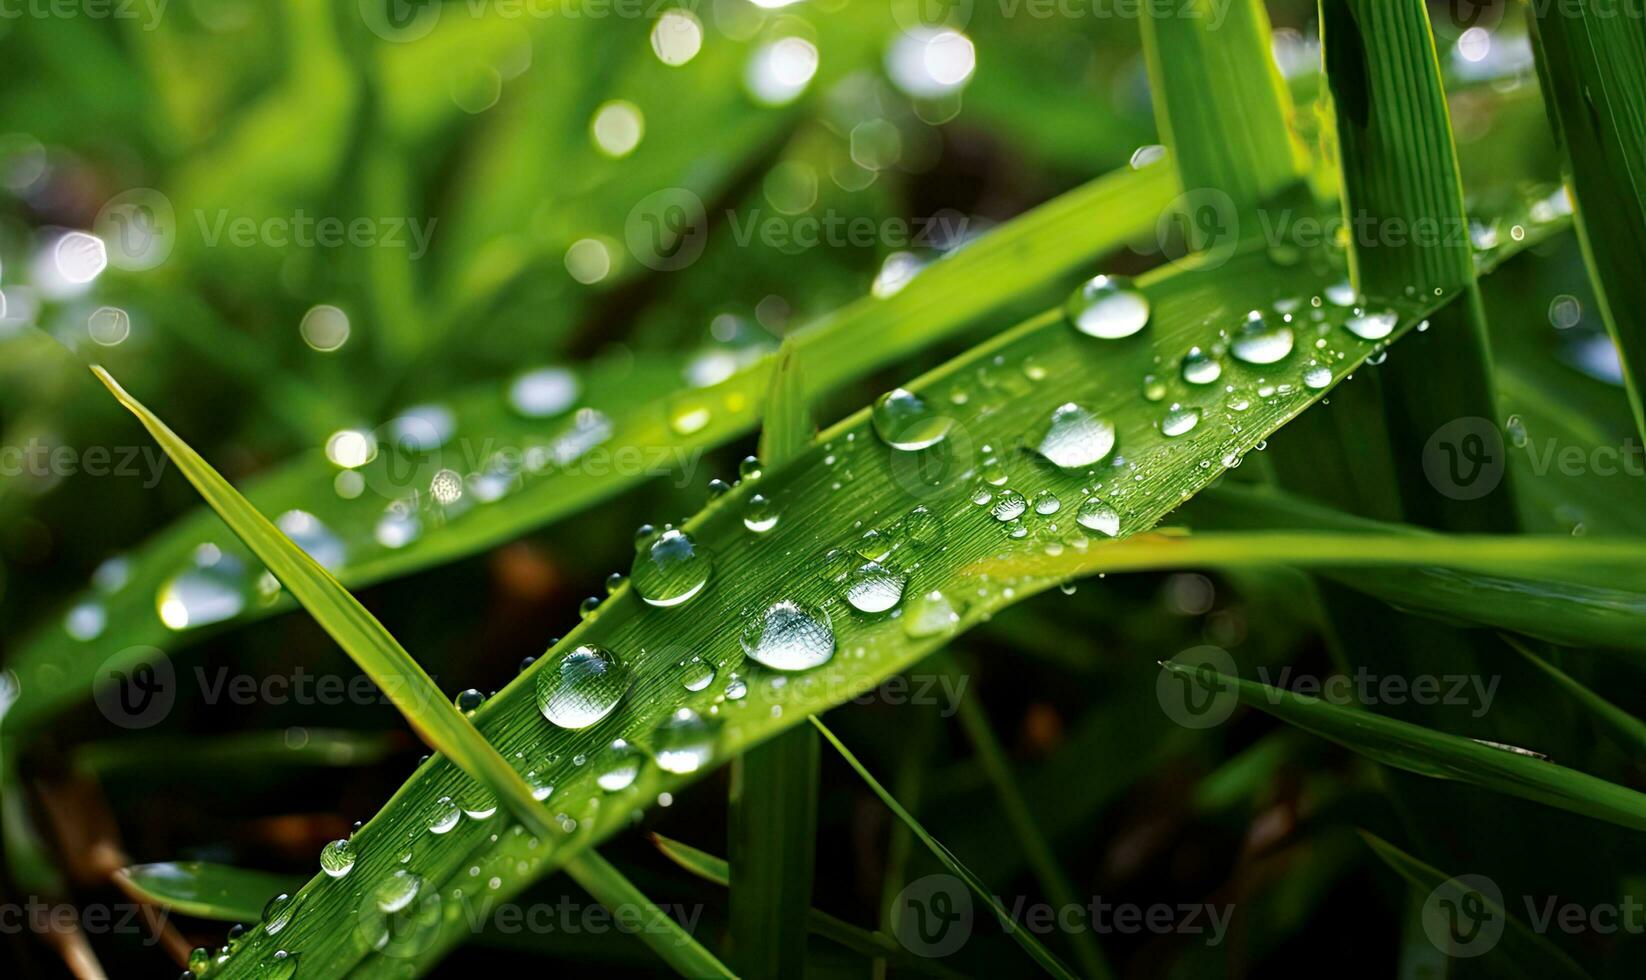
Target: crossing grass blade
[(1625, 729), (1220, 103), (1594, 82), (1435, 754), (974, 720), (1523, 952), (665, 937), (204, 890), (772, 819), (1039, 953), (342, 616), (868, 942)]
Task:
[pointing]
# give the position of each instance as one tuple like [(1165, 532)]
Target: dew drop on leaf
[(1108, 307), (582, 687)]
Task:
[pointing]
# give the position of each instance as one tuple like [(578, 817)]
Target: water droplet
[(211, 590), (789, 636), (1515, 429), (1109, 307), (618, 764), (469, 701), (277, 913), (874, 545), (1317, 376), (930, 614), (582, 687), (736, 689), (718, 488), (1045, 502), (443, 816), (398, 890), (1372, 326), (921, 527), (671, 569), (696, 674), (1179, 420), (874, 588), (422, 428), (398, 527), (904, 420), (1009, 506), (477, 801), (759, 514), (1154, 389), (1201, 368), (85, 620), (1341, 293), (1074, 437), (749, 469), (683, 742), (543, 392), (319, 541), (337, 858), (1096, 515), (1258, 341)]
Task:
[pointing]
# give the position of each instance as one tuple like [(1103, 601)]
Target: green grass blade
[(1026, 253), (856, 938), (1628, 731), (778, 564), (974, 721), (206, 891), (772, 820), (1522, 951), (1427, 752), (342, 616), (1594, 81), (1040, 954), (672, 943), (262, 751), (1220, 103)]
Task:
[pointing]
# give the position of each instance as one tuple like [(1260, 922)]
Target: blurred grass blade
[(1593, 75), (1521, 951), (772, 817), (341, 615), (260, 751), (1510, 770), (1624, 728), (876, 944), (666, 937), (974, 721), (1041, 955), (206, 891), (1220, 103), (1571, 600)]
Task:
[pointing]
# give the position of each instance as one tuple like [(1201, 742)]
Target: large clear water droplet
[(617, 765), (396, 891), (277, 913), (759, 514), (789, 636), (696, 674), (683, 742), (1109, 307), (1317, 376), (905, 421), (444, 815), (337, 858), (1200, 367), (1074, 437), (1372, 326), (671, 569), (1009, 506), (582, 687), (1259, 341), (874, 588), (1179, 420), (1096, 515)]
